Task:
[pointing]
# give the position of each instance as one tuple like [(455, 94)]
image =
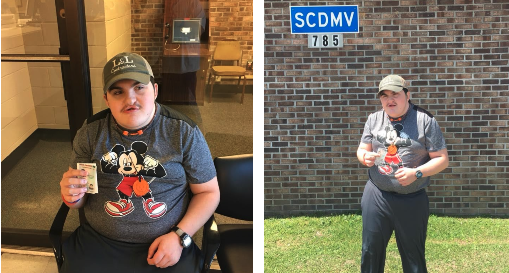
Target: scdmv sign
[(324, 19)]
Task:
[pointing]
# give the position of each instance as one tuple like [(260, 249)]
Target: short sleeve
[(197, 160), (367, 136), (81, 151), (435, 140)]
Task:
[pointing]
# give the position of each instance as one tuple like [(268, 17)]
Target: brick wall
[(147, 32), (232, 19), (227, 19), (455, 55)]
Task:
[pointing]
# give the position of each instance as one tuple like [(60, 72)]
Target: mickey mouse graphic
[(133, 166), (392, 138)]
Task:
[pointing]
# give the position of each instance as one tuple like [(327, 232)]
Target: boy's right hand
[(72, 186), (370, 157)]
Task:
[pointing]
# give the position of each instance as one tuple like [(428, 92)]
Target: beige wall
[(109, 33), (46, 78), (18, 111), (32, 94)]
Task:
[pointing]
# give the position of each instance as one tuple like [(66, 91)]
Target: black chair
[(210, 242), (235, 177)]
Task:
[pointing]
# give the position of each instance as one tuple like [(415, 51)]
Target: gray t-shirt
[(170, 153), (412, 139)]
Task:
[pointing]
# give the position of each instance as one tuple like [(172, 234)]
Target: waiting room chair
[(235, 178), (210, 242), (227, 51)]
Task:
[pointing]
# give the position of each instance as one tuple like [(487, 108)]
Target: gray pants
[(407, 215)]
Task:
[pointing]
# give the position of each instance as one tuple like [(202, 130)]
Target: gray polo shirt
[(412, 139), (172, 152)]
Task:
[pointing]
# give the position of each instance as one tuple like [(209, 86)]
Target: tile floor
[(27, 260)]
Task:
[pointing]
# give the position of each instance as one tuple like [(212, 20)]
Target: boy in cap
[(150, 156), (403, 146)]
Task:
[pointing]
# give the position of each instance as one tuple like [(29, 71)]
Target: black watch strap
[(185, 239), (177, 230)]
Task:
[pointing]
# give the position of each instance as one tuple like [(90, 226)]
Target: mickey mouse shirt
[(404, 143), (143, 179)]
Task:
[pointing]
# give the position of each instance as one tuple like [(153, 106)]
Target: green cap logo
[(126, 65)]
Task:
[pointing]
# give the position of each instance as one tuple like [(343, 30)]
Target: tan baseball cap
[(392, 82), (126, 65)]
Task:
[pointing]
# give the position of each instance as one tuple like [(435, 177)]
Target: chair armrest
[(210, 242), (55, 232)]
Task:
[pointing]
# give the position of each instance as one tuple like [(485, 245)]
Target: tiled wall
[(45, 78), (109, 33), (18, 111), (32, 94), (455, 56)]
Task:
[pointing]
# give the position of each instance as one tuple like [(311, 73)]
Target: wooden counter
[(171, 92), (185, 65)]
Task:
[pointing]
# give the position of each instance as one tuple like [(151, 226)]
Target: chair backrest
[(227, 51), (235, 178)]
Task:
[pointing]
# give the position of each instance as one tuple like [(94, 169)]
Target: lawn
[(333, 244)]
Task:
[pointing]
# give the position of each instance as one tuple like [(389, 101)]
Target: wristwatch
[(185, 239), (418, 174)]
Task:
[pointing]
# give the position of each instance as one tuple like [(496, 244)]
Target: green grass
[(333, 244)]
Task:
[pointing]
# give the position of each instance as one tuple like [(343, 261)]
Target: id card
[(91, 168)]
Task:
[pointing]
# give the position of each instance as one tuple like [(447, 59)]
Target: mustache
[(127, 107)]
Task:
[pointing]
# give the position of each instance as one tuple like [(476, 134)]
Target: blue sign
[(324, 19)]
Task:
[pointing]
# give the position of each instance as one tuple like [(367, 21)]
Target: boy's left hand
[(405, 176), (165, 250)]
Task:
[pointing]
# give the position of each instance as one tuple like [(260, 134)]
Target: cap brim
[(394, 88), (139, 77)]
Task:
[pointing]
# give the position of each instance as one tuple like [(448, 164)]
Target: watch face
[(418, 174), (186, 241)]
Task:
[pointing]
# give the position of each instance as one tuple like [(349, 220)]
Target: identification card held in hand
[(91, 168), (380, 160)]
